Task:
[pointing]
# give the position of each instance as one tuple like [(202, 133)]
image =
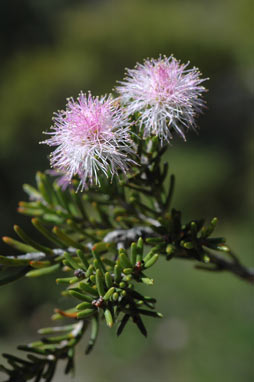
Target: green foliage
[(101, 244)]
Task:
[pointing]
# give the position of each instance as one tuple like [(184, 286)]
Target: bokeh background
[(52, 49)]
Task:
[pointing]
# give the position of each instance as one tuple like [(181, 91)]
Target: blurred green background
[(52, 49)]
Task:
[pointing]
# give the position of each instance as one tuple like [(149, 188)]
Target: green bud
[(122, 284), (206, 259), (108, 317), (188, 245), (93, 279), (115, 296), (194, 227), (214, 221), (90, 270), (223, 248), (170, 249), (127, 271), (127, 278), (206, 231), (109, 293), (147, 281)]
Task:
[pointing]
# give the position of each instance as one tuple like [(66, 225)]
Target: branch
[(233, 266)]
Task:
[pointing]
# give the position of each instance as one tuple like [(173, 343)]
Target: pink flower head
[(91, 135), (166, 95)]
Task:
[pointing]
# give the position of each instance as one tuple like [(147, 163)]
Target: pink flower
[(92, 136), (166, 95)]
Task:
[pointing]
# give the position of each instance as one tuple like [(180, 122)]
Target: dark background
[(52, 49)]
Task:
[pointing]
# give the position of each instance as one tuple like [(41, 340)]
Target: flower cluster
[(93, 134), (166, 95)]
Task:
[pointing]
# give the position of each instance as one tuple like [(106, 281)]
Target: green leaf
[(149, 263), (100, 282), (138, 321), (100, 247), (61, 197), (43, 271), (67, 240), (123, 323), (140, 247), (83, 259), (93, 335), (133, 253), (43, 186), (108, 280), (124, 261), (88, 289), (80, 296), (117, 273), (71, 313), (86, 313), (32, 242), (108, 294), (74, 264), (79, 203), (147, 281), (84, 305), (32, 192), (64, 280), (13, 262), (18, 245), (46, 233)]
